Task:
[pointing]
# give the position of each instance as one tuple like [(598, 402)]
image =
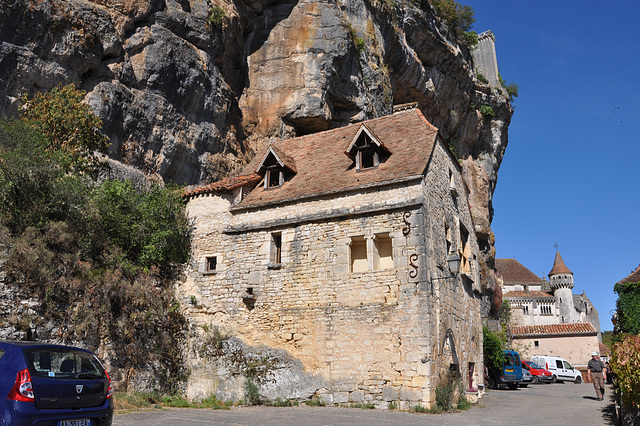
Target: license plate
[(78, 422), (509, 370)]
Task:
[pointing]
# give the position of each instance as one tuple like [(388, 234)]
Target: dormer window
[(273, 178), (276, 168), (366, 150), (367, 158)]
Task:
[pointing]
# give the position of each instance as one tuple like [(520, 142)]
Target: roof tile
[(514, 272), (585, 328)]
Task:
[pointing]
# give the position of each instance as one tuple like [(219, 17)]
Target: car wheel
[(535, 379), (555, 379), (578, 380)]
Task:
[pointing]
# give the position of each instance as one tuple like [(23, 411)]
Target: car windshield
[(534, 365), (63, 363)]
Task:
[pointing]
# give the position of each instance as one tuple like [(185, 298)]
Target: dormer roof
[(282, 159), (559, 267), (364, 132)]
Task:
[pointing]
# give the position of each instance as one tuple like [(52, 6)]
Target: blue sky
[(570, 171)]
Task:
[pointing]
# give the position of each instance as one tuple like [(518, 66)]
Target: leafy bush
[(359, 42), (511, 88), (486, 111), (445, 392), (492, 347), (216, 16), (625, 363), (481, 77)]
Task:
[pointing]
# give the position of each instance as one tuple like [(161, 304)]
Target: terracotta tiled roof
[(224, 185), (585, 328), (324, 168), (559, 267), (634, 277), (513, 272), (536, 294)]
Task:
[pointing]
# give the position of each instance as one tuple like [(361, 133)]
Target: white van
[(560, 368)]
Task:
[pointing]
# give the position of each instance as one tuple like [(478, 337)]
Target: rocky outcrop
[(188, 89)]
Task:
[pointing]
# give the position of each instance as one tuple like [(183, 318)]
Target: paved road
[(552, 404)]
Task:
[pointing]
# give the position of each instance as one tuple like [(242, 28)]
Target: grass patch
[(139, 400), (315, 402), (369, 406)]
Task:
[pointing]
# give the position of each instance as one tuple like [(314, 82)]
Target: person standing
[(597, 373)]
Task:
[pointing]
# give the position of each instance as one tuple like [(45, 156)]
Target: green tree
[(29, 174), (628, 307), (459, 19), (68, 124)]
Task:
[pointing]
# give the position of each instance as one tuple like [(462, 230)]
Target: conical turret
[(560, 276)]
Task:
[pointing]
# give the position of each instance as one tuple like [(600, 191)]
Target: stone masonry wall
[(376, 336)]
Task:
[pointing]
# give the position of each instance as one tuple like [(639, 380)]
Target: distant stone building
[(547, 318), (331, 252)]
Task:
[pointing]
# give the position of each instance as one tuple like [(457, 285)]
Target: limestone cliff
[(188, 89)]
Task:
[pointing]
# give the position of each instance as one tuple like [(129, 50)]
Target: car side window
[(567, 366), (558, 363)]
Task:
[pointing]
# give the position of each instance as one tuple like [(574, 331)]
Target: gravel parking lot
[(557, 404)]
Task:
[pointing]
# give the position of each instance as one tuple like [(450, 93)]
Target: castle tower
[(484, 57), (561, 283)]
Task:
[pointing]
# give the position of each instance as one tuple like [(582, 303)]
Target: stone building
[(547, 318), (335, 255)]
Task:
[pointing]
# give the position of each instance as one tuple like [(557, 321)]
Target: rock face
[(191, 98)]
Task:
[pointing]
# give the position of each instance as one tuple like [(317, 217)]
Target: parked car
[(527, 378), (559, 367), (540, 375), (510, 374), (49, 384)]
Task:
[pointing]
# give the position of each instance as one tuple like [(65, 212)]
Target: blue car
[(44, 384)]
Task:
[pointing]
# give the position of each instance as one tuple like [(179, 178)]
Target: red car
[(540, 375)]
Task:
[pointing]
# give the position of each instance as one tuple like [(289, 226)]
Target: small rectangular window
[(359, 262), (211, 264), (536, 343), (276, 247), (383, 252)]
